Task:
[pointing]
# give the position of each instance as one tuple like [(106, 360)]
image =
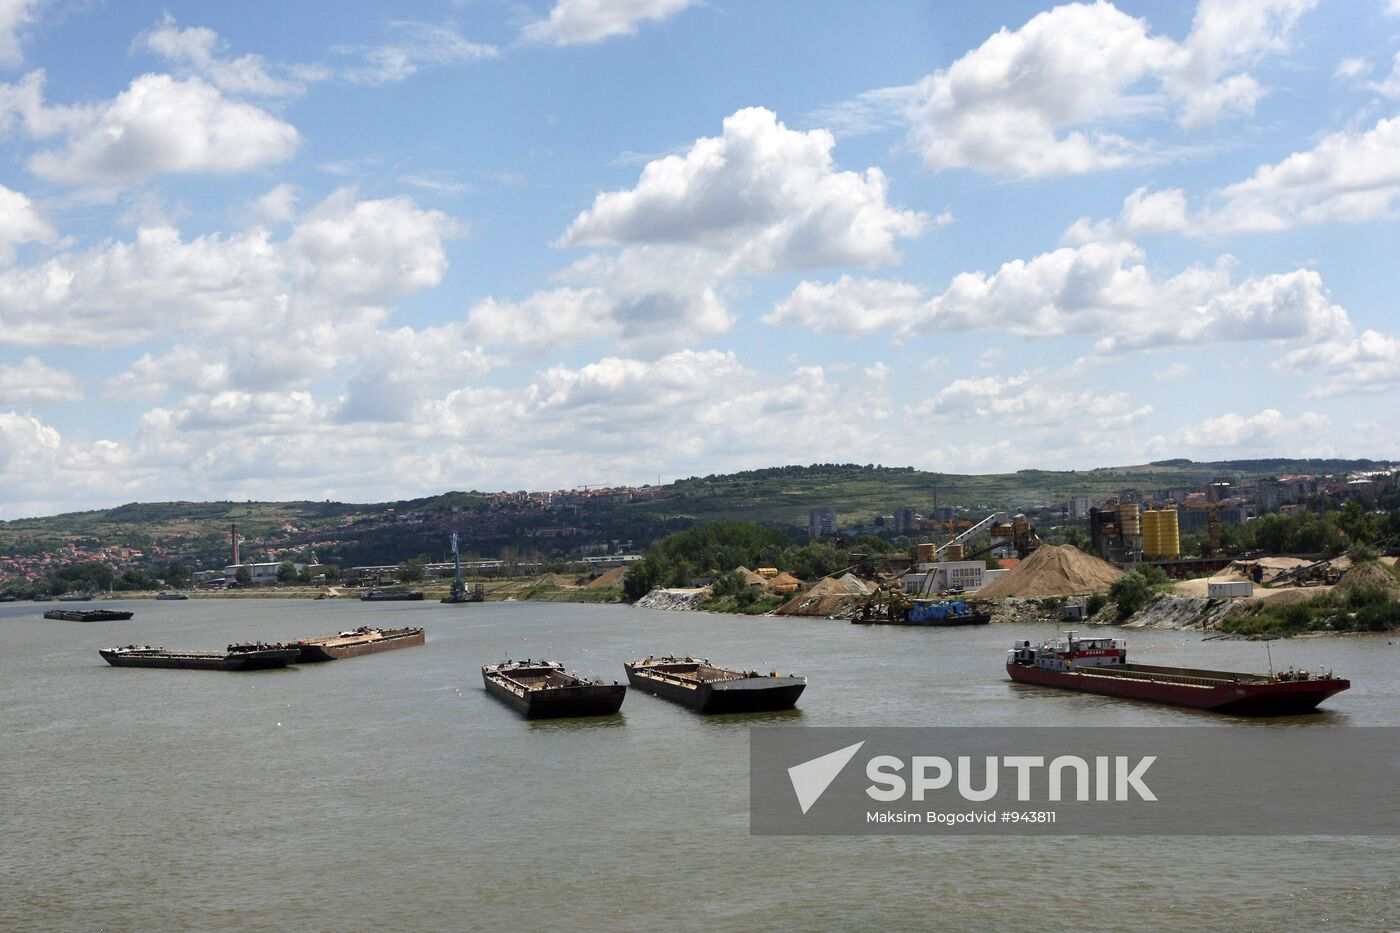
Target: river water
[(390, 792)]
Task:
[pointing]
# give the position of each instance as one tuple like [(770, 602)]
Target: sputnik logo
[(811, 778)]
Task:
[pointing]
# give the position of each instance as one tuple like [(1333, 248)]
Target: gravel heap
[(1054, 570)]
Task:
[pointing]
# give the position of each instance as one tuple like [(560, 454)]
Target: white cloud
[(1176, 372), (158, 125), (1039, 101), (197, 50), (1268, 431), (276, 207), (1367, 364), (1143, 212), (418, 46), (1099, 287), (765, 196), (1347, 176), (14, 16), (342, 254), (33, 383), (1390, 85), (20, 223), (1031, 400), (1349, 68), (574, 22)]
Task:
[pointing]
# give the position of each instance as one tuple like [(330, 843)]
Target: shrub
[(1094, 605), (1130, 592)]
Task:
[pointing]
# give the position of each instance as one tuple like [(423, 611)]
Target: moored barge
[(390, 596), (234, 658), (930, 612), (544, 690), (88, 615), (1100, 665), (363, 640), (700, 685)]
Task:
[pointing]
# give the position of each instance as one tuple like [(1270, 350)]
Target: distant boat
[(88, 615), (386, 596), (363, 640), (75, 598), (164, 595)]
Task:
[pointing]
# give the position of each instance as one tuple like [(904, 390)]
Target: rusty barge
[(700, 685), (235, 658), (350, 644), (544, 690)]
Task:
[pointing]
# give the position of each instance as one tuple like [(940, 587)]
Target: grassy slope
[(775, 497)]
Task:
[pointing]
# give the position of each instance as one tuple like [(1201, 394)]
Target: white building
[(971, 575), (260, 574)]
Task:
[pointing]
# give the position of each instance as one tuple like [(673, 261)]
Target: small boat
[(8, 598), (697, 683), (250, 657), (544, 690), (1100, 665), (387, 596), (164, 595), (88, 615), (363, 640)]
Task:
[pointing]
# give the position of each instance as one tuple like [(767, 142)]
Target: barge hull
[(745, 695), (1258, 698), (314, 652), (562, 702)]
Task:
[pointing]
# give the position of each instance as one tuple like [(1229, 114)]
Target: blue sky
[(337, 250)]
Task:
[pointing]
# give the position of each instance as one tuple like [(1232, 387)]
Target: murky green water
[(390, 792)]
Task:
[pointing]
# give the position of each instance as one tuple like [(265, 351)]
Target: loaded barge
[(235, 658), (544, 690), (390, 596), (88, 615), (1100, 665), (697, 683), (363, 640)]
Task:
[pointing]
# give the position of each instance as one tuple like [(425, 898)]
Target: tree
[(177, 575), (243, 576), (286, 572), (1130, 592), (411, 571)]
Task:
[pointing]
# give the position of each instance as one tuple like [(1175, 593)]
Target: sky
[(366, 251)]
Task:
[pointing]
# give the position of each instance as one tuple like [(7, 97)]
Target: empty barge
[(544, 690), (350, 644), (697, 683), (234, 658)]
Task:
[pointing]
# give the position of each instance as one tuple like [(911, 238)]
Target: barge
[(234, 658), (700, 685), (544, 690), (350, 644), (1100, 665), (88, 615), (390, 596)]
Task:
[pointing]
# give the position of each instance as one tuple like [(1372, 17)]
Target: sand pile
[(1371, 573), (847, 585), (1054, 570), (836, 604), (608, 579), (553, 579), (751, 578)]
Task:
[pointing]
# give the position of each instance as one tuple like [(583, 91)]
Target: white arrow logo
[(811, 778)]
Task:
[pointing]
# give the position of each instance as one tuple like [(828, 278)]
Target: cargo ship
[(350, 644), (1100, 665), (697, 683), (389, 596), (234, 658), (924, 612), (88, 615), (544, 690)]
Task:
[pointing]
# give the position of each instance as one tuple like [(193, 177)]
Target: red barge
[(1100, 665)]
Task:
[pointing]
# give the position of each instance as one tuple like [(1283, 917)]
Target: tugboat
[(544, 690), (88, 615), (363, 640), (460, 593), (390, 596), (1100, 665), (698, 684), (235, 658)]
